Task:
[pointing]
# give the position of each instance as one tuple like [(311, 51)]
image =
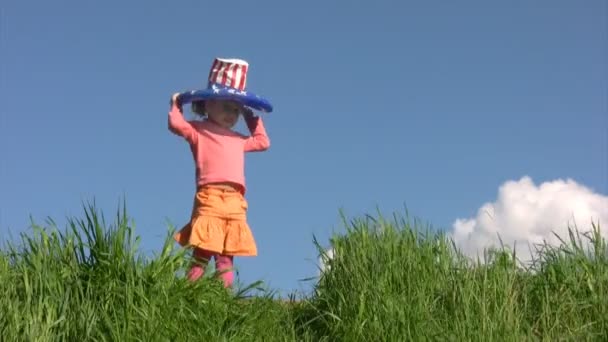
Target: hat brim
[(219, 92)]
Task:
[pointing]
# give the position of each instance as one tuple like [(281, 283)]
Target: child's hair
[(198, 107)]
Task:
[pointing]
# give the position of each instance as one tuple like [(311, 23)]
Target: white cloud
[(323, 259), (524, 215)]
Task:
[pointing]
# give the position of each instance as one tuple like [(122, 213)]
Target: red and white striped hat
[(228, 80), (229, 73)]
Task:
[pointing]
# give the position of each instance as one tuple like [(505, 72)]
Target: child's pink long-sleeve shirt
[(219, 153)]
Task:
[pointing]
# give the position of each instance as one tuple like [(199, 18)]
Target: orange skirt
[(218, 223)]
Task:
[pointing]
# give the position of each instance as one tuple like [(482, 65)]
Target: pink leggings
[(223, 264)]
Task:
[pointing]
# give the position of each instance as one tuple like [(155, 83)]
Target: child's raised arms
[(258, 141), (177, 123)]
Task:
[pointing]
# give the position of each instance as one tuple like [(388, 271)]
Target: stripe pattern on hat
[(229, 73)]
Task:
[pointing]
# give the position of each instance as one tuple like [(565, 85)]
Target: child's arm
[(258, 141), (179, 125)]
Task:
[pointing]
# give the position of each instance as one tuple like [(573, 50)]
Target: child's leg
[(224, 265), (202, 258)]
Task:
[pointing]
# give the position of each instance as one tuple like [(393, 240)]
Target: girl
[(218, 225)]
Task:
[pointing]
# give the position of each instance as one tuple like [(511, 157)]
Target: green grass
[(388, 281)]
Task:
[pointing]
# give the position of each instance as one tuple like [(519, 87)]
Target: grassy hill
[(388, 281)]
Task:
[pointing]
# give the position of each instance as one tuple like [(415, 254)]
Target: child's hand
[(248, 113), (175, 100), (250, 118)]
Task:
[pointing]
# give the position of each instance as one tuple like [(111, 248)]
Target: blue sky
[(427, 104)]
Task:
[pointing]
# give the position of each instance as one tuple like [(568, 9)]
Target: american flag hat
[(228, 80)]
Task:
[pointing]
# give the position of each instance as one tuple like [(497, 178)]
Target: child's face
[(223, 112)]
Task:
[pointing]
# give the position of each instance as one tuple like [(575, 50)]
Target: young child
[(218, 225)]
